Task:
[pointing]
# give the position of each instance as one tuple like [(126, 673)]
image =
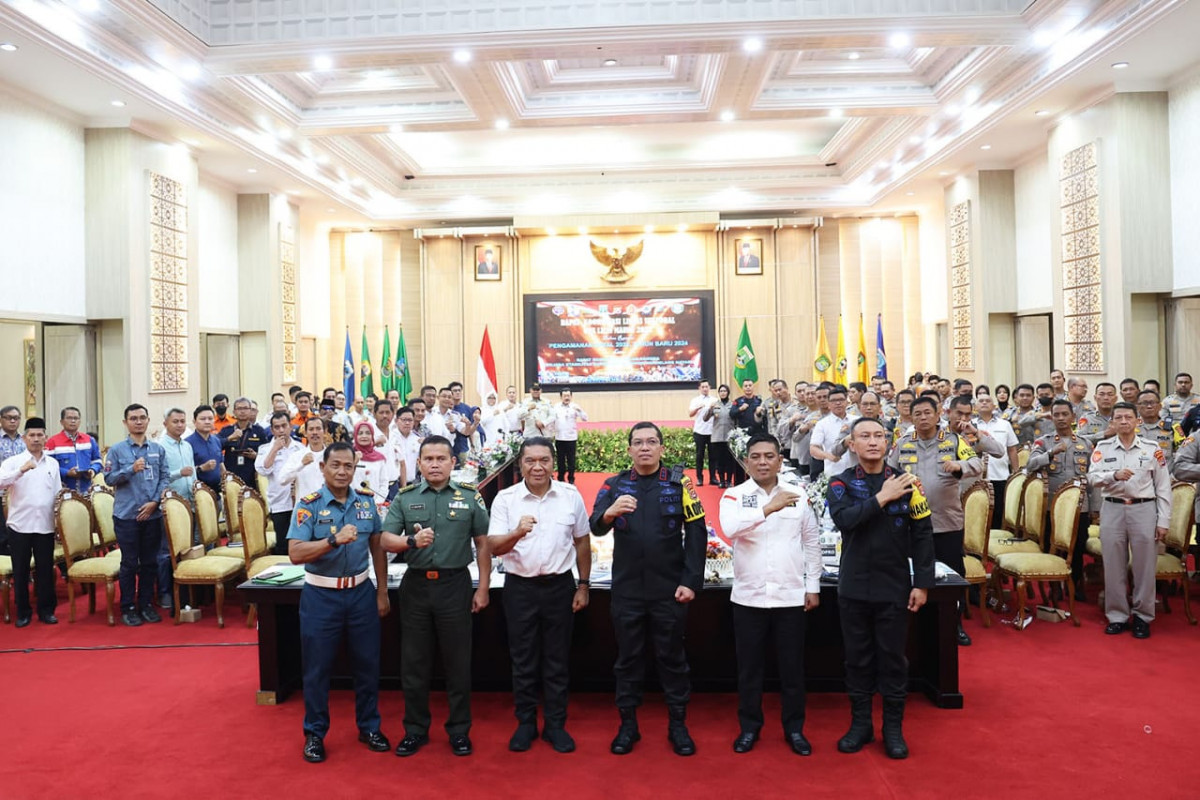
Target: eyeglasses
[(12, 417), (640, 443)]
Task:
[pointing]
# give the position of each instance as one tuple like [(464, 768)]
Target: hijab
[(369, 453)]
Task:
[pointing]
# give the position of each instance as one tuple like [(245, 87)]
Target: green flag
[(366, 385), (745, 368), (386, 381), (402, 382)]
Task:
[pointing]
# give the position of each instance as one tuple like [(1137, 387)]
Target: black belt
[(1132, 502), (538, 578), (435, 574)]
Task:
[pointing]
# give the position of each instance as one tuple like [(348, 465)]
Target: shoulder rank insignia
[(676, 474), (470, 487), (308, 498), (408, 488)]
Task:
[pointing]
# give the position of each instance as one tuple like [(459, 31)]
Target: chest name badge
[(455, 504), (750, 501), (417, 507)]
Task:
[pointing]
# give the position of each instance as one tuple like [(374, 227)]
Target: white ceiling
[(580, 106)]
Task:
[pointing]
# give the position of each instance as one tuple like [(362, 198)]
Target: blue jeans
[(327, 616), (140, 543)]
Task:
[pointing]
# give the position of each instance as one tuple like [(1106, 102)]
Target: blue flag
[(880, 356), (348, 372)]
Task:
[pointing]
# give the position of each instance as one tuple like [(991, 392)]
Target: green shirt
[(456, 514)]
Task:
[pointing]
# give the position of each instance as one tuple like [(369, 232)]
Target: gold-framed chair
[(203, 571), (1031, 520), (105, 533), (6, 587), (252, 510), (1023, 456), (1055, 566), (73, 521), (1172, 565), (977, 517), (231, 489), (1010, 517), (207, 520)]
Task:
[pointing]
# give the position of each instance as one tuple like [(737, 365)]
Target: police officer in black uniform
[(653, 579), (884, 522), (338, 600)]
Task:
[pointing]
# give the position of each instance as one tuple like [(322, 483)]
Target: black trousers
[(704, 444), (752, 627), (436, 612), (282, 520), (720, 453), (41, 547), (4, 550), (566, 459), (874, 638), (1081, 537), (539, 618), (998, 508), (665, 621)]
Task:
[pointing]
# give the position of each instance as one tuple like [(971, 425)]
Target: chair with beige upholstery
[(206, 570), (1030, 520), (206, 520), (1055, 566), (1172, 565), (1010, 517), (73, 519), (1023, 456), (253, 513), (977, 517), (231, 489), (104, 532)]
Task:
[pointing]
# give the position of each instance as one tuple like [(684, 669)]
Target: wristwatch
[(332, 539), (584, 582), (412, 542)]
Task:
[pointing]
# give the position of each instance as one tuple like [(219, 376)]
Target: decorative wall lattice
[(287, 280), (1079, 203), (962, 341), (168, 285)]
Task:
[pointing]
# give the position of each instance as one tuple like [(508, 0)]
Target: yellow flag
[(864, 374), (839, 366), (822, 364)]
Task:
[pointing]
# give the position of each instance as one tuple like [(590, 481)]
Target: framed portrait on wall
[(487, 262), (748, 254)]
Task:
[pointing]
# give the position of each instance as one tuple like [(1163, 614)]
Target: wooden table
[(932, 645)]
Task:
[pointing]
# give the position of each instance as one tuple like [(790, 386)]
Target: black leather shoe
[(314, 749), (131, 618), (460, 744), (375, 741), (150, 615), (627, 735), (410, 744), (23, 621), (522, 738), (48, 619), (559, 739), (1141, 628), (1115, 628), (799, 744), (963, 639), (744, 743)]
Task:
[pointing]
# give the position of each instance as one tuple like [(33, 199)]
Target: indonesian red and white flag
[(485, 376)]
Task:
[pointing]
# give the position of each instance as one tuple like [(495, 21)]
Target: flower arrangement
[(738, 439), (479, 462), (818, 491)]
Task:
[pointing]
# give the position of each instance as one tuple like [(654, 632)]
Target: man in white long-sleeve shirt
[(567, 416), (33, 482), (776, 579), (270, 462), (832, 428), (302, 470)]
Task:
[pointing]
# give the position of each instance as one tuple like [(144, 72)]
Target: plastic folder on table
[(278, 576)]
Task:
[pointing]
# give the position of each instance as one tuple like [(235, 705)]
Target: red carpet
[(1052, 711)]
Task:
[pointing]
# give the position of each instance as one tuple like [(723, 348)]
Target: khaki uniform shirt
[(1093, 426), (1150, 479), (924, 458), (1027, 426), (1060, 468)]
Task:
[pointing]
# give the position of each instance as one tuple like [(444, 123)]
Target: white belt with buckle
[(337, 583)]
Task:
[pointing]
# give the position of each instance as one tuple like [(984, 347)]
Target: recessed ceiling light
[(462, 56), (985, 147), (909, 194), (1120, 65), (681, 227), (329, 210), (582, 231), (322, 63), (914, 139), (648, 229), (9, 47), (252, 170), (752, 45), (551, 232), (944, 173), (899, 40), (397, 128), (726, 116), (836, 113), (117, 103), (1041, 113), (853, 56), (953, 109), (501, 124), (610, 62)]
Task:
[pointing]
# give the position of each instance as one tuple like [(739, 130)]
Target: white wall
[(935, 298), (1183, 109), (1034, 192), (41, 213), (312, 273), (217, 246)]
